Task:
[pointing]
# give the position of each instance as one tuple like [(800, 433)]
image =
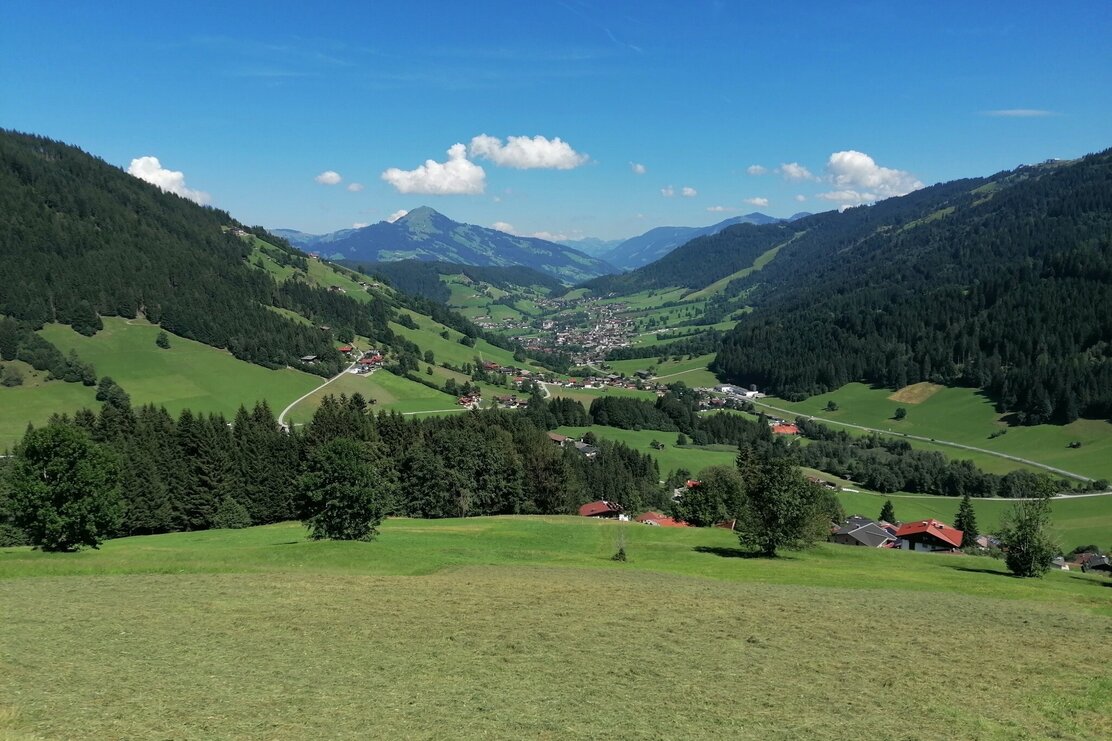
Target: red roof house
[(928, 535), (660, 520), (785, 429), (345, 348), (600, 508)]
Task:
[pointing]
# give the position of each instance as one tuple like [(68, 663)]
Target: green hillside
[(188, 375), (497, 625), (964, 416)]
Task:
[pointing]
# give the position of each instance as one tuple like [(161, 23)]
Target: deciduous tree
[(64, 489)]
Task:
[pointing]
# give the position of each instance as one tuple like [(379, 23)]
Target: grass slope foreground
[(522, 627)]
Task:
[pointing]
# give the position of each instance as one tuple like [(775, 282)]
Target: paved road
[(282, 416), (935, 441)]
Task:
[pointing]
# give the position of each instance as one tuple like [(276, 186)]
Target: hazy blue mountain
[(656, 243), (425, 234), (591, 245)]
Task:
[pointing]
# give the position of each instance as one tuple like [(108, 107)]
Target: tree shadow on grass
[(991, 572), (735, 553), (1092, 582)]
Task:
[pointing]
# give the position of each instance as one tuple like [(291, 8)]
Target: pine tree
[(966, 521), (888, 512)]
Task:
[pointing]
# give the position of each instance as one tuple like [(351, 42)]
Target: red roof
[(601, 507), (661, 519), (345, 348), (692, 483), (557, 437), (939, 530), (785, 429)]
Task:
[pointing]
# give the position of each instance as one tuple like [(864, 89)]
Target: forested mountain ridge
[(654, 244), (81, 239), (422, 278), (1001, 283), (426, 234)]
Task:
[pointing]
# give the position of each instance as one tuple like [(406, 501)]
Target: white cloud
[(329, 177), (757, 201), (359, 225), (720, 209), (689, 192), (457, 176), (355, 187), (525, 153), (638, 168), (858, 179), (795, 172), (756, 169), (172, 181), (503, 226), (1020, 113), (396, 215), (801, 198), (667, 191), (550, 236)]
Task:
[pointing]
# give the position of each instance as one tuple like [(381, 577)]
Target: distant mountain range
[(426, 234), (654, 244), (592, 246)]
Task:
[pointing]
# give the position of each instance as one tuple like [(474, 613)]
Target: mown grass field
[(964, 416), (524, 628), (188, 375)]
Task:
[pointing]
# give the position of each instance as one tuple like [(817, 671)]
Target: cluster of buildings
[(927, 536), (583, 448)]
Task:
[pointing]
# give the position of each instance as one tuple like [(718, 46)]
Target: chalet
[(557, 438), (491, 366), (471, 400), (1097, 562), (822, 482), (601, 509), (586, 449), (644, 374), (345, 349), (308, 358), (336, 289), (928, 536), (370, 361), (659, 520), (689, 484), (785, 428), (861, 531)]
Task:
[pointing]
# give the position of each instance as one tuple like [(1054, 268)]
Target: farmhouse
[(601, 509), (557, 438), (1097, 563), (861, 531), (658, 519), (928, 536), (785, 428)]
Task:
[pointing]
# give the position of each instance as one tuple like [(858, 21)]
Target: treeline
[(695, 344), (1001, 284), (18, 341), (198, 471), (82, 239), (877, 462), (887, 464)]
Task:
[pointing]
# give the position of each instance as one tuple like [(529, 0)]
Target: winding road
[(298, 400), (936, 441)]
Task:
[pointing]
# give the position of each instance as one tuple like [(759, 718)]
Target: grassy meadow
[(965, 416), (189, 375), (522, 627)]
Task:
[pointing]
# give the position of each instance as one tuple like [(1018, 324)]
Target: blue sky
[(248, 105)]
